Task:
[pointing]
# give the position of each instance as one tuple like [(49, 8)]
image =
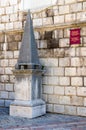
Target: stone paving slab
[(46, 122)]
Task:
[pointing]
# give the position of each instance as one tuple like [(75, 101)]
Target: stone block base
[(27, 111)]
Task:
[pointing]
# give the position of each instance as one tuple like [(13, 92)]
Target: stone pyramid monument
[(28, 74)]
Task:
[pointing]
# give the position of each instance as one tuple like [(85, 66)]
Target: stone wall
[(64, 83), (11, 28)]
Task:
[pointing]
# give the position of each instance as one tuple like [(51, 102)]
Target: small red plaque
[(74, 36)]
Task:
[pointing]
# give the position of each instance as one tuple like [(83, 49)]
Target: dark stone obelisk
[(28, 72)]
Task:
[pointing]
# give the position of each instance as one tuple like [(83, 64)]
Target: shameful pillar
[(28, 74)]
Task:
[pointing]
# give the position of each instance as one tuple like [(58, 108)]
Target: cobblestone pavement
[(46, 122)]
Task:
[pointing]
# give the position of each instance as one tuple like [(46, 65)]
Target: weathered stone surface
[(4, 94), (81, 91), (64, 81), (65, 10), (74, 9), (78, 101), (70, 71), (12, 46), (59, 108), (81, 111), (58, 19), (64, 100), (59, 90), (48, 89), (64, 61), (2, 38), (70, 91), (70, 17), (70, 110), (76, 81)]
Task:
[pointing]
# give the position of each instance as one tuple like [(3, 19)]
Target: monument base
[(28, 110)]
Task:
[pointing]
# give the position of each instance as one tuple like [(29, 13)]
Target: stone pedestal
[(28, 89)]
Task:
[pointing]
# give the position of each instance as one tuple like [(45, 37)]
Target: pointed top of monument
[(28, 56)]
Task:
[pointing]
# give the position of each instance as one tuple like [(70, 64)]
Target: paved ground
[(46, 122)]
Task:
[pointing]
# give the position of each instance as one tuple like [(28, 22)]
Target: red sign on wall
[(75, 36)]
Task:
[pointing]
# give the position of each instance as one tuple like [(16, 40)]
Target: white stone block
[(2, 27), (60, 2), (9, 10), (59, 108), (64, 100), (52, 80), (84, 6), (13, 2), (4, 94), (9, 25), (81, 71), (59, 90), (37, 22), (70, 71), (76, 7), (81, 16), (2, 11), (83, 33), (64, 81), (67, 32), (52, 62), (4, 62), (4, 3), (9, 54), (11, 95), (70, 17), (8, 102), (47, 21), (70, 110), (12, 62), (17, 25), (64, 9), (27, 111), (64, 42), (81, 111), (64, 62), (2, 88), (76, 81), (55, 10), (37, 35), (9, 87), (81, 91), (5, 78), (76, 61), (1, 103), (53, 99), (1, 70), (13, 17), (70, 52), (77, 101), (58, 71), (58, 19), (49, 108), (5, 18), (43, 44), (16, 54), (12, 79), (48, 89), (8, 70), (70, 91)]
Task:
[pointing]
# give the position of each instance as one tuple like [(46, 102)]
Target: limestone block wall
[(64, 83), (11, 26)]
